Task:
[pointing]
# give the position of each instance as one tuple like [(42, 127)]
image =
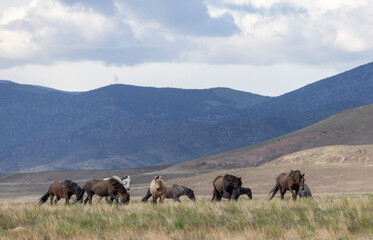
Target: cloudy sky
[(267, 47)]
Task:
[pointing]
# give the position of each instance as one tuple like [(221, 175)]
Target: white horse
[(125, 181)]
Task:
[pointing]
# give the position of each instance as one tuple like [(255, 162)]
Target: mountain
[(351, 127), (41, 126), (121, 126)]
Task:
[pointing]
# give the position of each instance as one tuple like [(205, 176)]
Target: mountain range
[(121, 126)]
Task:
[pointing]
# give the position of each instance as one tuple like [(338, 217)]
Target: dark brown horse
[(103, 188), (292, 181), (61, 189), (227, 186)]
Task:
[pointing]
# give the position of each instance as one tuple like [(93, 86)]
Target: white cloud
[(83, 76), (252, 34)]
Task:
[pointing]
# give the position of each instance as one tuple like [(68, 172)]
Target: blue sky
[(267, 47)]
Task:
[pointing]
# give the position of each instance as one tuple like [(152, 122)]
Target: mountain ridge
[(88, 130)]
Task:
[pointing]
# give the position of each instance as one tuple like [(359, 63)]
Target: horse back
[(218, 183), (98, 186), (282, 179), (56, 188)]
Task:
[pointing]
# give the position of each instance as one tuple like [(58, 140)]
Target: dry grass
[(345, 216)]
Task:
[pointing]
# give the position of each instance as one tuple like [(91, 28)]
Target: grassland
[(336, 217)]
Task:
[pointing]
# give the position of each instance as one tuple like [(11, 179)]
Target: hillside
[(40, 126), (327, 170), (327, 156), (352, 127), (121, 126)]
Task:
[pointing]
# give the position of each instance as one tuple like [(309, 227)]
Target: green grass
[(344, 217)]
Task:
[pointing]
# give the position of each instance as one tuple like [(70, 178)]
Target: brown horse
[(227, 186), (292, 181), (61, 189), (158, 189), (103, 188)]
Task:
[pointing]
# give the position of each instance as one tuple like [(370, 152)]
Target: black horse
[(305, 193), (227, 186), (174, 192), (246, 191)]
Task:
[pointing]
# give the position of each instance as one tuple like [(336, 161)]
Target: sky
[(268, 47)]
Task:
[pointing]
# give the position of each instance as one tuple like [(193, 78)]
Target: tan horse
[(61, 189), (158, 189), (292, 181)]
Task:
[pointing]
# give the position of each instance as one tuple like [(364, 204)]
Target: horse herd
[(117, 189)]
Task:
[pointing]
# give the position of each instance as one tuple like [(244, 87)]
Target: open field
[(328, 170), (336, 217)]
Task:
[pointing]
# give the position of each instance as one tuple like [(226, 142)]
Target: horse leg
[(176, 199), (282, 191), (218, 196), (90, 198), (86, 200), (68, 199), (51, 196), (161, 199), (226, 194), (114, 198), (154, 200), (57, 199), (213, 195), (295, 194), (107, 200)]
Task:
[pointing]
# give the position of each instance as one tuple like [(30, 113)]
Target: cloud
[(185, 17), (126, 32)]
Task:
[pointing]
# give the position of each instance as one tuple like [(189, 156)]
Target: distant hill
[(121, 126), (352, 127), (327, 156), (40, 126)]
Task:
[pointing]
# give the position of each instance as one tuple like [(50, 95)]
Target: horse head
[(249, 194), (302, 182), (237, 183), (126, 180), (158, 182), (189, 192), (297, 178), (125, 197)]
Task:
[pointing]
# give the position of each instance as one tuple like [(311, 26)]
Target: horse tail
[(147, 196), (79, 196), (273, 191), (44, 198)]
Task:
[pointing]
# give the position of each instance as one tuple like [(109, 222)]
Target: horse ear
[(160, 177), (303, 174)]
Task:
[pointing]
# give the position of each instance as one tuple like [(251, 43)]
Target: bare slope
[(352, 127), (328, 170)]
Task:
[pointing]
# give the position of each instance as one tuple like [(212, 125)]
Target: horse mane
[(232, 178), (70, 185), (118, 185), (295, 173)]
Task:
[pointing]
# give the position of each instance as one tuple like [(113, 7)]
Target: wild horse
[(227, 186), (292, 181), (174, 192), (61, 189), (103, 188)]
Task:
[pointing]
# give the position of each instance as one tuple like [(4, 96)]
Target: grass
[(339, 217)]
